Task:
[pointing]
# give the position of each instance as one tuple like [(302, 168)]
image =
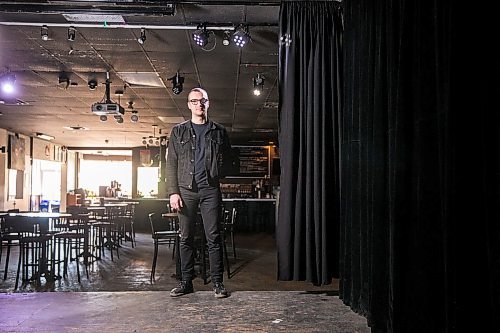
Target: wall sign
[(250, 162)]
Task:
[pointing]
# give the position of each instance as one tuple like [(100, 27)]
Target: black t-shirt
[(200, 174)]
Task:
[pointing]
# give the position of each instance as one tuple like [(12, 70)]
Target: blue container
[(44, 205)]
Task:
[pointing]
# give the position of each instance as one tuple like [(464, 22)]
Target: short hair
[(200, 90)]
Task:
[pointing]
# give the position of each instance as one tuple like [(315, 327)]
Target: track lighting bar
[(119, 26)]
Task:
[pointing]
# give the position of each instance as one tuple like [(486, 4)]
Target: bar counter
[(254, 215), (142, 210)]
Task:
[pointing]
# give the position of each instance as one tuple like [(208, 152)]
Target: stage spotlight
[(226, 39), (134, 117), (201, 36), (177, 83), (7, 83), (92, 84), (241, 37), (258, 85), (119, 119), (44, 33), (71, 34), (141, 40)]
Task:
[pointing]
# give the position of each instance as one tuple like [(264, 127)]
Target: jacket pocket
[(215, 155)]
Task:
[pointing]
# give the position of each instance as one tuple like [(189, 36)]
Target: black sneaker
[(219, 290), (184, 287)]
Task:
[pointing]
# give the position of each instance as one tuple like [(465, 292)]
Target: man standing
[(197, 154)]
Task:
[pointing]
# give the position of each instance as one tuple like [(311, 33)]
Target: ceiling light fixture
[(226, 39), (92, 84), (258, 85), (119, 119), (103, 117), (44, 136), (64, 80), (71, 34), (201, 35), (141, 40), (134, 117), (151, 140), (241, 36), (76, 128), (177, 83), (7, 82), (44, 33)]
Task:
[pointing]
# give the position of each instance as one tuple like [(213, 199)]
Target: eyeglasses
[(195, 101)]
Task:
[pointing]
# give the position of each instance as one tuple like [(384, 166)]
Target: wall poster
[(16, 153)]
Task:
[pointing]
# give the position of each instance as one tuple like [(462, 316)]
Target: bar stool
[(106, 232), (33, 246), (8, 235), (129, 226), (242, 218), (229, 223), (73, 239)]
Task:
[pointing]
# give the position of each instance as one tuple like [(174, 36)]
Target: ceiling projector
[(106, 109)]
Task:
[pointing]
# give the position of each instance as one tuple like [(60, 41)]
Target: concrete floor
[(119, 297)]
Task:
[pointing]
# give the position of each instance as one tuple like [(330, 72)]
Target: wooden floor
[(253, 269)]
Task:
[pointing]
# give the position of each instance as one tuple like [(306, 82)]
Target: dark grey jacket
[(180, 155)]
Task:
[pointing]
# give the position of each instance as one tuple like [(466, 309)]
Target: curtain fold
[(310, 77), (420, 180), (395, 163)]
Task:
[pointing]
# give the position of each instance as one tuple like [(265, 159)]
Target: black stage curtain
[(310, 76), (420, 240)]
